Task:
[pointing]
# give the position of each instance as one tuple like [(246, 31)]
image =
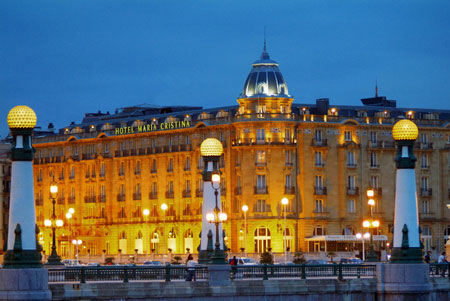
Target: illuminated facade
[(322, 158)]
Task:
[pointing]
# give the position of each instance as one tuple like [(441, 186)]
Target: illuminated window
[(260, 135), (319, 206), (348, 231), (348, 136), (260, 158), (424, 160), (373, 137)]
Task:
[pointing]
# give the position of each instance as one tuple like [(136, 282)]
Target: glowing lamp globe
[(358, 235), (366, 224), (210, 217), (211, 147), (59, 223), (376, 224), (223, 216), (366, 235), (405, 130), (47, 223), (21, 117), (245, 208)]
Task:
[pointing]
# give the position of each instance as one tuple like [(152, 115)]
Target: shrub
[(266, 258)]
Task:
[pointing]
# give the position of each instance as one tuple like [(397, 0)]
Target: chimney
[(322, 105)]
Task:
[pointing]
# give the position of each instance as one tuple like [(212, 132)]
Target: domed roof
[(265, 79)]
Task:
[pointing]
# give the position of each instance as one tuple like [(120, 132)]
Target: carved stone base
[(24, 284), (22, 259), (406, 255)]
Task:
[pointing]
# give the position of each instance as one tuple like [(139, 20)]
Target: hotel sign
[(152, 127)]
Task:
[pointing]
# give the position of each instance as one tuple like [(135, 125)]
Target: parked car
[(93, 264), (317, 261), (244, 261), (153, 263), (351, 261)]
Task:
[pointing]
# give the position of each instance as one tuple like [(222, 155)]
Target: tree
[(266, 258)]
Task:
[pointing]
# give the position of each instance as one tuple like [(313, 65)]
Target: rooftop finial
[(376, 88), (265, 49)]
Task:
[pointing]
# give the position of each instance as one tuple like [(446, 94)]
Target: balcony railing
[(424, 146), (169, 194), (426, 192), (352, 190), (137, 196), (260, 164), (153, 170), (320, 190), (71, 200), (153, 195), (39, 202), (322, 142), (186, 193), (121, 197), (198, 193), (61, 200), (261, 190), (101, 198), (90, 199), (289, 189)]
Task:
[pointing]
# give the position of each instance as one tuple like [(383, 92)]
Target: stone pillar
[(219, 274)]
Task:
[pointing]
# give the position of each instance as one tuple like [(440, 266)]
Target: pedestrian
[(190, 266), (233, 261), (428, 257), (442, 258)]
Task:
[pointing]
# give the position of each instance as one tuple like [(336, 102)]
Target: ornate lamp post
[(69, 216), (406, 246), (217, 218), (285, 202), (54, 258), (371, 255), (363, 237), (245, 209), (164, 208)]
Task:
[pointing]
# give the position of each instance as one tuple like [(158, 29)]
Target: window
[(170, 187), (170, 166), (374, 181), (260, 158), (200, 161), (102, 190), (351, 159), (351, 206), (348, 136), (319, 206), (425, 206), (261, 181), (318, 135), (373, 137), (424, 182), (122, 169), (260, 206), (200, 184), (318, 231), (187, 164), (424, 138), (424, 161), (348, 231), (122, 189), (102, 169), (260, 135), (105, 148), (188, 139), (427, 238), (138, 168), (262, 240), (122, 212), (318, 159), (288, 181), (319, 182), (287, 135), (188, 185), (288, 157), (373, 159), (153, 169), (72, 172), (351, 182)]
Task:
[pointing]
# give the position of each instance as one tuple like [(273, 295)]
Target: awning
[(351, 238)]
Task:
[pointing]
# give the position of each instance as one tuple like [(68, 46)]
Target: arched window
[(123, 245), (154, 242), (123, 235), (139, 235), (348, 231), (262, 240)]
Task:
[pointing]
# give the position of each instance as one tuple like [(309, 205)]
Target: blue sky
[(65, 58)]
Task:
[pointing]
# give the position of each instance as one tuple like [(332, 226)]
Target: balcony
[(352, 190), (199, 193), (187, 168), (137, 172), (61, 200), (170, 169), (39, 202), (289, 190), (322, 142), (187, 193), (71, 200), (261, 190), (260, 164), (153, 170), (169, 194), (351, 165), (137, 196), (223, 191), (375, 144), (426, 192), (424, 146), (101, 198), (261, 208), (90, 199), (153, 195), (320, 190), (141, 151), (121, 197), (321, 213)]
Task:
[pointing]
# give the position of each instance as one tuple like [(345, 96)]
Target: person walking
[(190, 266), (428, 257)]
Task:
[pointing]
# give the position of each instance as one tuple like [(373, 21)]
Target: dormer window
[(333, 112), (410, 114)]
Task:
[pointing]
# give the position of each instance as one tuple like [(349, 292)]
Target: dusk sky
[(66, 58)]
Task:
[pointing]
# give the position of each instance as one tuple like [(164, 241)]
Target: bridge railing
[(171, 272), (440, 270)]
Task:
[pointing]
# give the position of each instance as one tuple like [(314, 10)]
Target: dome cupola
[(265, 79)]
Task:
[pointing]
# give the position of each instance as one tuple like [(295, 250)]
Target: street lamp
[(363, 237), (245, 209), (69, 216), (54, 258), (371, 256), (77, 243), (217, 218), (164, 208), (285, 202)]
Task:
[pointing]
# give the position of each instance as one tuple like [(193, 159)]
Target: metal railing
[(440, 270), (168, 273)]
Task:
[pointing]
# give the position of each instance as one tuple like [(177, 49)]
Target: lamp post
[(164, 208), (54, 258), (285, 202), (146, 213), (69, 216), (217, 218), (245, 209), (363, 237), (77, 243), (371, 256)]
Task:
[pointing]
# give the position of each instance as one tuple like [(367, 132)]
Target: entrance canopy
[(346, 238)]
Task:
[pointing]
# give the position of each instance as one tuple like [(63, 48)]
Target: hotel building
[(323, 158)]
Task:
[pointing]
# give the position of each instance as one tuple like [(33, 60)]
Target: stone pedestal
[(24, 284), (403, 281), (219, 274)]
